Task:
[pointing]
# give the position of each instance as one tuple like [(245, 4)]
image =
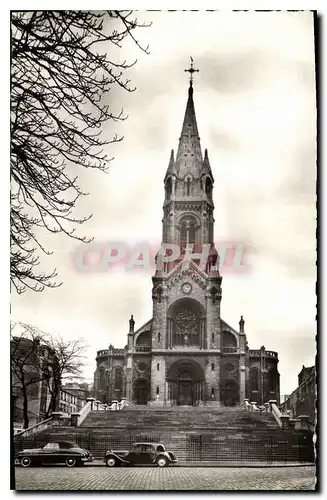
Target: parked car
[(141, 454), (55, 452)]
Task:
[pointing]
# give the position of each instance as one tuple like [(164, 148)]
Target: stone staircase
[(216, 435), (180, 419)]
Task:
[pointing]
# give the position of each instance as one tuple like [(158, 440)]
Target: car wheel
[(162, 462), (71, 462), (26, 462), (111, 462)]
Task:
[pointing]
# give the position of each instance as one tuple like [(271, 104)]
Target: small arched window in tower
[(192, 233), (188, 187), (158, 367), (213, 337), (159, 337), (208, 186), (159, 294), (212, 367), (254, 379), (157, 390), (271, 380), (187, 231), (169, 187)]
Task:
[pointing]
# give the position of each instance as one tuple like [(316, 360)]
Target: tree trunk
[(53, 402), (25, 408)]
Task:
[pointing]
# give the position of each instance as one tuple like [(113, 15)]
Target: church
[(186, 354)]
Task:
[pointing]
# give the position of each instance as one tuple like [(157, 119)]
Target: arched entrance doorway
[(230, 393), (185, 383), (141, 391)]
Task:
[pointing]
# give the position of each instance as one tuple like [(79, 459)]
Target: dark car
[(55, 452), (141, 454)]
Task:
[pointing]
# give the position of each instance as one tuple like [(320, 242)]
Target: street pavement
[(171, 478)]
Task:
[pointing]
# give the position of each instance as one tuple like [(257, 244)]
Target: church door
[(141, 392), (185, 392), (230, 393)]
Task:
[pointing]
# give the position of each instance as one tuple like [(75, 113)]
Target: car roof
[(153, 444), (60, 441)]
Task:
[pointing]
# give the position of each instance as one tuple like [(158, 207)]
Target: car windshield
[(61, 444), (68, 445), (51, 446)]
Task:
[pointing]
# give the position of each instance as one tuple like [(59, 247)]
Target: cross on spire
[(191, 70)]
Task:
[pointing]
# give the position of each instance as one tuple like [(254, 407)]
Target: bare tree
[(66, 362), (26, 372), (38, 357), (59, 87)]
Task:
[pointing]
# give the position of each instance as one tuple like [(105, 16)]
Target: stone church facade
[(186, 354)]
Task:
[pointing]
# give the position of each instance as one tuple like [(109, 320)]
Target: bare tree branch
[(59, 87)]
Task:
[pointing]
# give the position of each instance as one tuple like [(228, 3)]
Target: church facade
[(186, 354)]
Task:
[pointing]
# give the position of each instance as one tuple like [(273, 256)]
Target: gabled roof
[(148, 323), (226, 325)]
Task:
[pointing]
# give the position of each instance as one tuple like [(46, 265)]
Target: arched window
[(254, 379), (103, 378), (229, 340), (272, 380), (169, 187), (186, 319), (118, 378), (188, 187), (188, 229), (143, 342), (208, 186)]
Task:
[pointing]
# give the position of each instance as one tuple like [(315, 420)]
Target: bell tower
[(188, 206), (186, 300)]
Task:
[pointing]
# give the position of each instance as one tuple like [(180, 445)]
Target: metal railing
[(210, 447)]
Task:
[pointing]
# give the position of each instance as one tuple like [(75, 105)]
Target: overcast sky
[(255, 105)]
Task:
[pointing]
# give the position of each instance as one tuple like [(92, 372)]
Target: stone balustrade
[(40, 426), (284, 420)]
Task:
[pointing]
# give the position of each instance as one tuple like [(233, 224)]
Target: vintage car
[(65, 452), (141, 454)]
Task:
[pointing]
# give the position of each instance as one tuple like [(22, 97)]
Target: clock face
[(187, 288)]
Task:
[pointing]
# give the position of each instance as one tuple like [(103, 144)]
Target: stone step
[(181, 419)]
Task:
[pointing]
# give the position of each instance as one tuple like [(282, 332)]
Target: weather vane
[(191, 70)]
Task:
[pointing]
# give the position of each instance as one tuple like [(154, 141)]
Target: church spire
[(189, 125), (189, 149)]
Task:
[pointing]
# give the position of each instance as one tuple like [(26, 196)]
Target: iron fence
[(193, 447)]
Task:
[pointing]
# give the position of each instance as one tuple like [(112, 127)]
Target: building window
[(158, 366), (271, 380), (254, 379), (187, 231), (169, 187), (118, 378), (157, 390), (212, 367), (213, 337), (159, 337), (208, 187), (212, 393), (188, 186)]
